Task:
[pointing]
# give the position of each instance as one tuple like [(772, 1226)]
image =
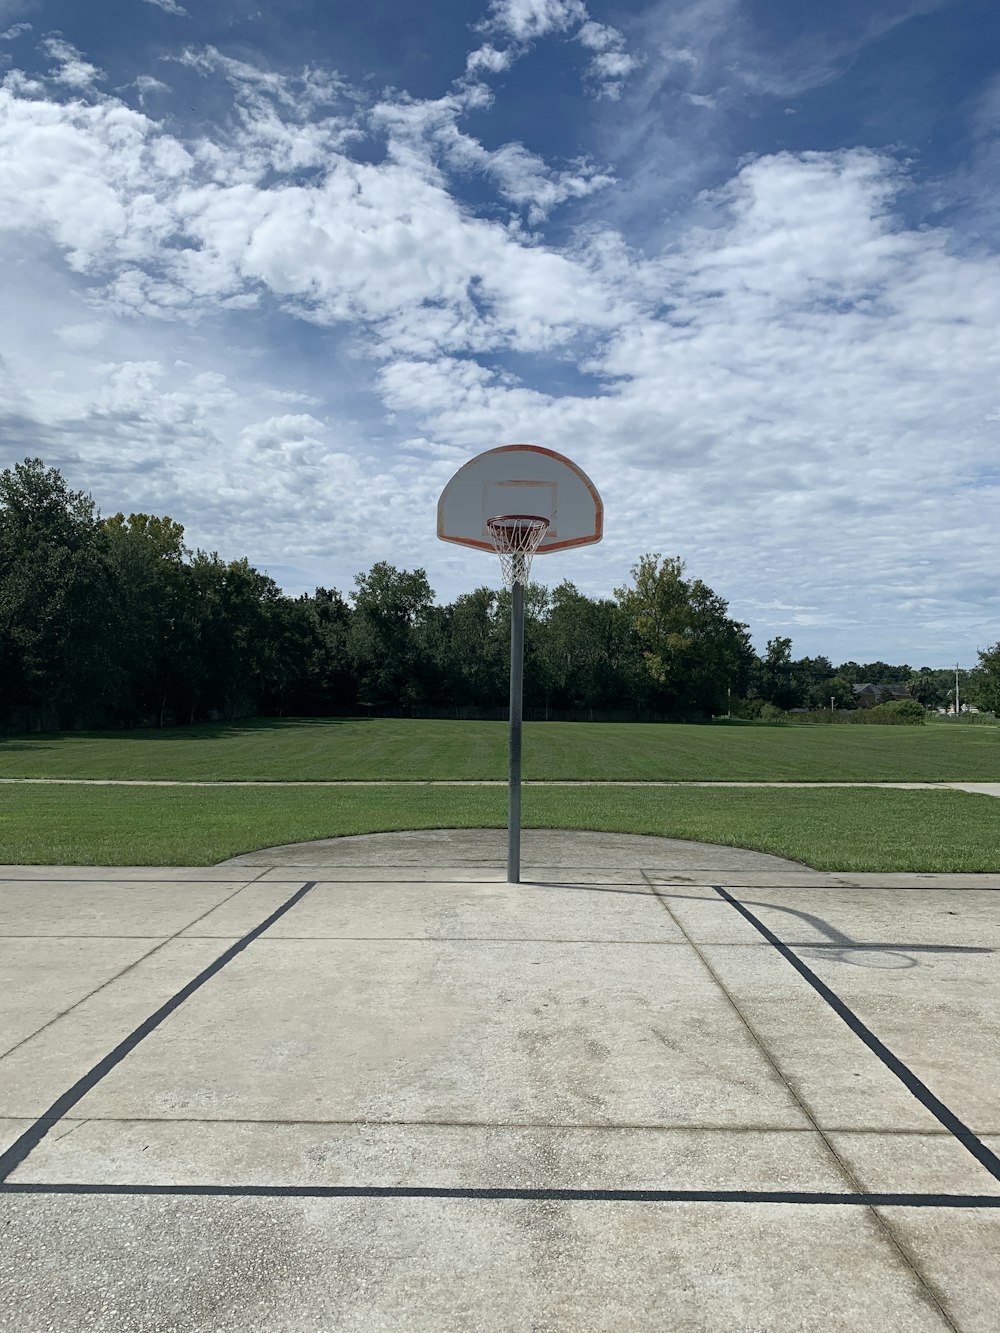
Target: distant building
[(867, 695)]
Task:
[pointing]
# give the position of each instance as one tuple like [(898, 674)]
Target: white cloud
[(527, 20), (611, 63), (795, 393), (608, 69), (169, 7), (145, 84), (301, 94), (73, 70), (289, 440), (488, 60), (599, 36), (15, 31)]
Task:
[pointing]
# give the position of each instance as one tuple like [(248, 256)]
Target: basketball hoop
[(566, 512), (516, 538)]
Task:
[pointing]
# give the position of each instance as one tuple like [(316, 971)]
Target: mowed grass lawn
[(843, 829), (401, 751)]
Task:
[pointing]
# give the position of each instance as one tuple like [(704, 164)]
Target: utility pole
[(958, 707)]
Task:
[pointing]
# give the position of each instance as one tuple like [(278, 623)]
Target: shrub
[(897, 712), (817, 716), (746, 709)]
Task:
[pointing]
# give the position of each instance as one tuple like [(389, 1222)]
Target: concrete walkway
[(983, 788), (371, 1086)]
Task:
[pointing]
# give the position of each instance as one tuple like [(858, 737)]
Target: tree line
[(115, 622)]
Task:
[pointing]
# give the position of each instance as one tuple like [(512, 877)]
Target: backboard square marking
[(520, 497)]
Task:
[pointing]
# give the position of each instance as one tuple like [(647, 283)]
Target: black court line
[(21, 1147), (882, 1200), (888, 946), (970, 1141), (840, 887)]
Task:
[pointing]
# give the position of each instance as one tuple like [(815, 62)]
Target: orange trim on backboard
[(544, 549)]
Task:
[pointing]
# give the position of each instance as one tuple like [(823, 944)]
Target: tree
[(328, 684), (809, 673), (536, 608), (778, 685), (836, 688), (694, 654), (987, 684), (291, 647), (56, 596), (884, 673), (146, 556), (390, 606), (476, 657), (933, 687), (587, 652)]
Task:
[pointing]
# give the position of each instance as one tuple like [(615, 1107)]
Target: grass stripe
[(285, 749), (844, 829)]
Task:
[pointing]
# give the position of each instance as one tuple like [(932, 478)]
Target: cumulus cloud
[(523, 22), (488, 60), (773, 394), (610, 64), (425, 135), (71, 68), (527, 20)]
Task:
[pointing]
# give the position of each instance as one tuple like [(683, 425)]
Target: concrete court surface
[(368, 1085)]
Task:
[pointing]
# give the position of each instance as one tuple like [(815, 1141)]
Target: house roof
[(894, 691)]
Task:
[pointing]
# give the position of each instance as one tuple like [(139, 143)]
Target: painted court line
[(916, 1086), (22, 1146), (27, 1141), (809, 1197)]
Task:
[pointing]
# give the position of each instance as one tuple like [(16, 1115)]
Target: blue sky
[(278, 270)]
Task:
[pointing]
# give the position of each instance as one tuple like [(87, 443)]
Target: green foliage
[(875, 673), (987, 691), (777, 685), (837, 688), (392, 621), (116, 622), (586, 655), (897, 712), (696, 657), (56, 597)]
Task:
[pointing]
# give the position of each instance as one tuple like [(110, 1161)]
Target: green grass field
[(392, 750), (877, 830)]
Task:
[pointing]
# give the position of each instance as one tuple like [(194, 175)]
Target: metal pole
[(514, 768)]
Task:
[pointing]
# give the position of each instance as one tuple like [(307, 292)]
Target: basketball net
[(516, 538)]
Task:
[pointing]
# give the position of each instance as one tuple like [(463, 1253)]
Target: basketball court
[(420, 1081), (370, 1084)]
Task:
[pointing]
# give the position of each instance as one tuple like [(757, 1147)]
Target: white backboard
[(521, 479)]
